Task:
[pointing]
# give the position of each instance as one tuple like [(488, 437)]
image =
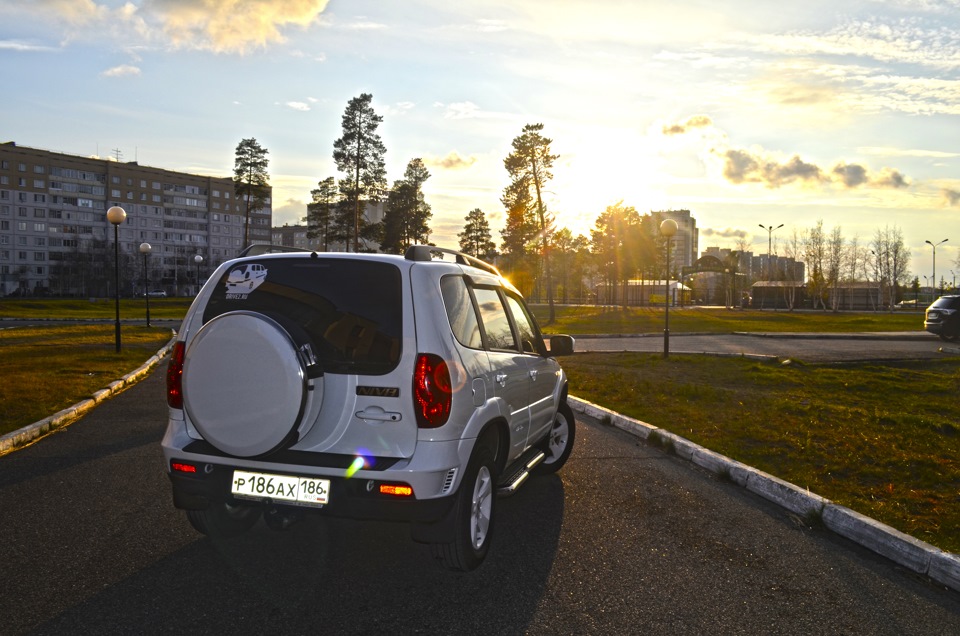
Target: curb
[(911, 553), (32, 432)]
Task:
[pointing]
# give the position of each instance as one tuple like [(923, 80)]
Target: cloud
[(697, 121), (462, 110), (121, 71), (452, 161), (744, 166), (301, 106), (23, 47), (951, 198), (228, 26), (728, 233)]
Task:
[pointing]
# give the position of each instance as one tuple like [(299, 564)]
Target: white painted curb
[(32, 432), (904, 550)]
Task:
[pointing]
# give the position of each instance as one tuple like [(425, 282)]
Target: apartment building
[(55, 238), (684, 245)]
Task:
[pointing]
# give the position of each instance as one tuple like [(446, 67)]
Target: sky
[(745, 112)]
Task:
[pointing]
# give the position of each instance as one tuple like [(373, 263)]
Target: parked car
[(157, 293), (943, 318), (413, 388)]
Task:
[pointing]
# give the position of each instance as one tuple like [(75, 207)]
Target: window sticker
[(243, 279)]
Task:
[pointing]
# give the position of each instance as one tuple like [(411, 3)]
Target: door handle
[(533, 374), (502, 379)]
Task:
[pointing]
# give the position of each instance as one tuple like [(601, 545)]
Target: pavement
[(908, 552)]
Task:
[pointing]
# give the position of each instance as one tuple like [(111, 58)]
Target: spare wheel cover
[(244, 386)]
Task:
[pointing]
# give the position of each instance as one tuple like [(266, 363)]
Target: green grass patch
[(47, 369), (883, 440), (591, 319), (94, 308)]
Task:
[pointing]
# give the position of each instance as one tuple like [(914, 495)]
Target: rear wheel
[(224, 519), (559, 442), (469, 538)]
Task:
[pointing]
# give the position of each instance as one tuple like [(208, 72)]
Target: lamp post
[(198, 259), (116, 215), (770, 230), (668, 229), (933, 279), (145, 249)]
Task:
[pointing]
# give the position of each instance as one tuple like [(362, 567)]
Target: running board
[(521, 470)]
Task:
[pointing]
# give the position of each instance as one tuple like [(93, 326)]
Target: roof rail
[(426, 253), (258, 249)]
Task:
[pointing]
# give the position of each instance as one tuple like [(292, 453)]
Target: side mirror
[(561, 345)]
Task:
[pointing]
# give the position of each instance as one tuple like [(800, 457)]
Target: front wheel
[(559, 442), (469, 538), (224, 519)]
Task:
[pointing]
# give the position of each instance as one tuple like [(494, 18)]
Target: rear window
[(350, 309), (946, 302)]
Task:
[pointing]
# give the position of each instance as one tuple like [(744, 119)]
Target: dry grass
[(46, 369), (882, 440)]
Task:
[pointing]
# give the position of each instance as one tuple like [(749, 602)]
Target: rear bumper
[(357, 498)]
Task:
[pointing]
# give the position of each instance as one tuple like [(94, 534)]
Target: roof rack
[(426, 253), (258, 249)]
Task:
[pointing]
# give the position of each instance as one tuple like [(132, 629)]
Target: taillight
[(431, 391), (175, 376)]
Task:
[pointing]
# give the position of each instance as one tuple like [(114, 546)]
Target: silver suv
[(413, 388)]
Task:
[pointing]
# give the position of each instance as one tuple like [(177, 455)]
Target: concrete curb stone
[(32, 432), (911, 553)]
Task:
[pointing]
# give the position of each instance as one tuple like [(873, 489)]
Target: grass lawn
[(590, 319), (94, 308), (882, 440), (46, 369)]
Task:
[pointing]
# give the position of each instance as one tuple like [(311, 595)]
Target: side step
[(517, 473)]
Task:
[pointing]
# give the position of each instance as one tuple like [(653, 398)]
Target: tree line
[(544, 261)]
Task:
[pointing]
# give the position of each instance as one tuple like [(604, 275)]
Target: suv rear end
[(359, 385), (943, 318)]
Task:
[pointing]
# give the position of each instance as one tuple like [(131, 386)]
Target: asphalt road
[(624, 540)]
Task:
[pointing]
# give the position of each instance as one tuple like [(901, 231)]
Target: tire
[(559, 441), (473, 515), (223, 520)]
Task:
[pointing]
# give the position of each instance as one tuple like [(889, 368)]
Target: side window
[(460, 312), (526, 327), (493, 314)]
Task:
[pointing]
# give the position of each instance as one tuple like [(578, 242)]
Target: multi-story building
[(683, 247), (55, 237)]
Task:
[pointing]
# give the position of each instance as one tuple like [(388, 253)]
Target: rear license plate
[(305, 491)]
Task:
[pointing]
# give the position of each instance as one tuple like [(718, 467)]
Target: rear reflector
[(183, 468), (397, 490)]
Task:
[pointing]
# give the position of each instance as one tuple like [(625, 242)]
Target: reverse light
[(396, 490), (431, 391), (175, 376)]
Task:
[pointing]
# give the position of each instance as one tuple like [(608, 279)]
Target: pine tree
[(250, 180), (320, 211), (359, 156), (475, 238), (529, 166)]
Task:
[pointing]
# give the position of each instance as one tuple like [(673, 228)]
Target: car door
[(543, 372), (508, 374)]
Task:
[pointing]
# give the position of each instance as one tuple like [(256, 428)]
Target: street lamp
[(668, 229), (116, 215), (934, 278), (145, 249), (198, 259), (770, 230)]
